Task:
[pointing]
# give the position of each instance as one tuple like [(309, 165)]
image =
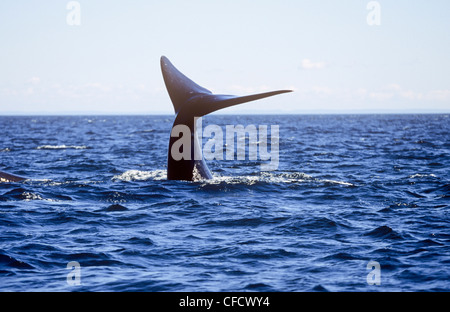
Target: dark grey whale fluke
[(190, 101), (7, 177)]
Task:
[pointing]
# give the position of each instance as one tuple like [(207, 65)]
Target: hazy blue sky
[(325, 50)]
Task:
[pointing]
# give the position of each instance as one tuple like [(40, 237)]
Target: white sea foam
[(247, 180), (265, 177), (57, 147), (336, 182), (31, 196), (419, 175), (270, 177), (137, 175)]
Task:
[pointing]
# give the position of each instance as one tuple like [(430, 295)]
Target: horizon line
[(164, 113)]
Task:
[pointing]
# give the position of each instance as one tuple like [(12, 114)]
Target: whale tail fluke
[(191, 100), (187, 95)]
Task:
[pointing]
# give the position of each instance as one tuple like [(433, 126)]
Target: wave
[(27, 195), (273, 178), (420, 175), (384, 232), (254, 179), (31, 196), (58, 147), (11, 262), (336, 182), (137, 175), (264, 177)]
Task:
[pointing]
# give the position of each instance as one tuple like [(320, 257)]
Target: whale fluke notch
[(7, 177), (191, 100)]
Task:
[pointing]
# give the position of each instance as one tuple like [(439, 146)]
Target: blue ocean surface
[(349, 191)]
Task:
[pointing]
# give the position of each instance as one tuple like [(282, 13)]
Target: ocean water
[(350, 191)]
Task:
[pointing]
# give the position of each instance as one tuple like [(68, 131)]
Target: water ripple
[(349, 190)]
